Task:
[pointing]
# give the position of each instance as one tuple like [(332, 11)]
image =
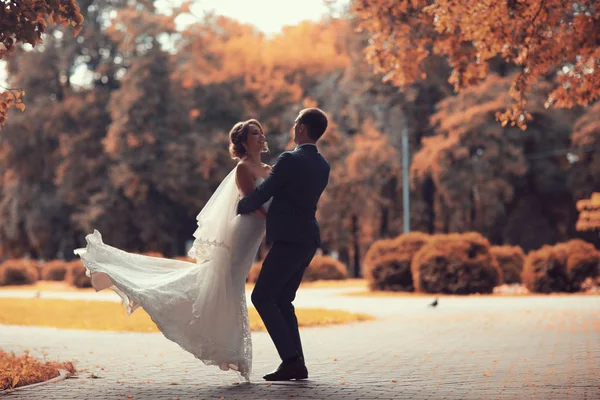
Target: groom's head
[(310, 125)]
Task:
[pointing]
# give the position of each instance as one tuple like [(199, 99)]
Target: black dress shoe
[(287, 372)]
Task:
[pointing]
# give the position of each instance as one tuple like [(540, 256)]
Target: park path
[(477, 347)]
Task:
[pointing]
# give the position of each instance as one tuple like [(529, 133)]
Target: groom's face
[(298, 128)]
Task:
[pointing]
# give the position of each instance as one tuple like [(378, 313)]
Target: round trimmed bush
[(582, 261), (378, 249), (320, 268), (561, 268), (325, 268), (387, 265), (18, 272), (510, 260), (545, 271), (54, 270), (391, 272), (456, 264), (76, 275)]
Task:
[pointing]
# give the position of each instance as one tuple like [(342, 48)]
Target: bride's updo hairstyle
[(239, 135)]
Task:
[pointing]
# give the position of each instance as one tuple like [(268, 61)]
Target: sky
[(269, 16)]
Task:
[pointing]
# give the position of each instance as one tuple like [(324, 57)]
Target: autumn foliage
[(24, 21), (474, 175), (387, 263), (456, 264), (126, 127), (76, 275), (589, 213), (320, 268), (55, 270), (510, 260), (561, 268), (16, 371), (18, 272), (540, 37), (325, 268)]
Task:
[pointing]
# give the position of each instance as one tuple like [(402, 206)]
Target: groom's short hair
[(315, 121)]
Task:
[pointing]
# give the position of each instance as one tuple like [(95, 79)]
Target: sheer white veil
[(214, 234)]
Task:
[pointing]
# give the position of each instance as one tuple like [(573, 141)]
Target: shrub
[(18, 272), (510, 260), (561, 268), (54, 270), (391, 272), (545, 272), (325, 268), (76, 275), (387, 265), (456, 264), (378, 249), (409, 242), (582, 261), (320, 268)]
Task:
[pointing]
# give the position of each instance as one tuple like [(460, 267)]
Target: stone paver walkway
[(545, 347)]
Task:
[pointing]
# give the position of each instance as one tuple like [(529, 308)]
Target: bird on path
[(435, 303)]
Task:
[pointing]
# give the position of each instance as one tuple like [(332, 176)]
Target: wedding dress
[(201, 306)]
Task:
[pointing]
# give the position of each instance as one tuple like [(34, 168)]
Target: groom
[(295, 184)]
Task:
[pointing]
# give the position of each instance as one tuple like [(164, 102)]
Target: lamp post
[(405, 171)]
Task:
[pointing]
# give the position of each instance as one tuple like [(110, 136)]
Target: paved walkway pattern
[(545, 347)]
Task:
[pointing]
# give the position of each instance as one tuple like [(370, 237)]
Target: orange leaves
[(10, 98), (219, 50), (540, 36), (589, 213), (21, 23), (25, 370)]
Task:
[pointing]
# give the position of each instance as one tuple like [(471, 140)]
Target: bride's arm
[(245, 181)]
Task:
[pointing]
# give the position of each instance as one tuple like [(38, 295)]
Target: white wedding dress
[(201, 306)]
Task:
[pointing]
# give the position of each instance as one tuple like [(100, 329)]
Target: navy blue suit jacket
[(296, 183)]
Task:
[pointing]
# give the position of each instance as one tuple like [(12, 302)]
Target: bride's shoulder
[(267, 167), (243, 169)]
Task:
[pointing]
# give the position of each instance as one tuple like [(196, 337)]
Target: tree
[(507, 184), (589, 213), (358, 200), (585, 156), (24, 21), (233, 72), (544, 38)]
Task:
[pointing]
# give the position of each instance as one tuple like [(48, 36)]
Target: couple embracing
[(201, 305)]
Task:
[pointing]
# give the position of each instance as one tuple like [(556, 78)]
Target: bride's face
[(256, 141)]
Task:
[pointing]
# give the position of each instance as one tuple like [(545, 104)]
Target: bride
[(201, 306)]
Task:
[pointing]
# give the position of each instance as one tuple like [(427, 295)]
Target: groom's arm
[(267, 189)]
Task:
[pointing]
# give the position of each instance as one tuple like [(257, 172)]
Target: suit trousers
[(275, 290)]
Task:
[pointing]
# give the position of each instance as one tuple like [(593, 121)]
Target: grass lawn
[(50, 286), (103, 315)]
